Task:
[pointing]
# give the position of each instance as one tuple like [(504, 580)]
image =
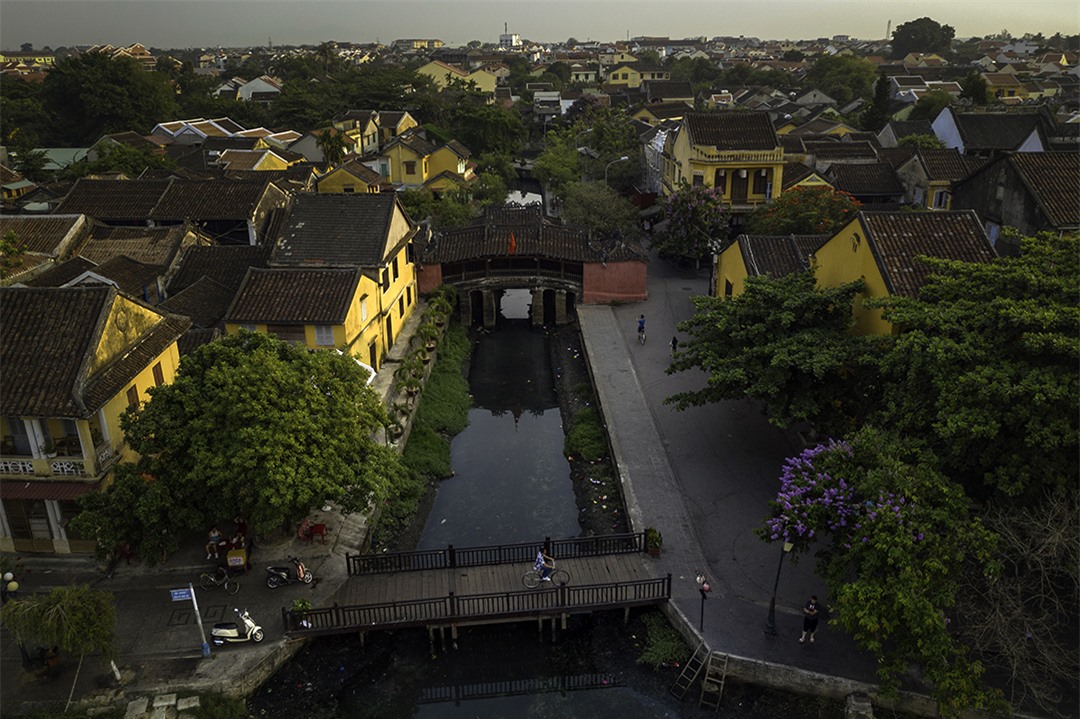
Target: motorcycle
[(231, 632), (277, 576)]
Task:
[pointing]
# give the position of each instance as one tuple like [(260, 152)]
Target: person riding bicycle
[(545, 564), (640, 326)]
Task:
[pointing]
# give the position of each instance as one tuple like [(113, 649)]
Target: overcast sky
[(207, 23)]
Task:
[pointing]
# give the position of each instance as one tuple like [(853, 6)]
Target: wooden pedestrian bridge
[(454, 587)]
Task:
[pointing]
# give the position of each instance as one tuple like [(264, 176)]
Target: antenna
[(506, 30), (888, 30)]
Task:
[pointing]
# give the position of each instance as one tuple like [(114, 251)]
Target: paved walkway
[(703, 477)]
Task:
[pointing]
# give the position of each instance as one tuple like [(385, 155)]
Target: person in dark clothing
[(810, 619)]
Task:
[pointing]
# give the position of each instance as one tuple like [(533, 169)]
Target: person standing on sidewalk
[(810, 619), (674, 345)]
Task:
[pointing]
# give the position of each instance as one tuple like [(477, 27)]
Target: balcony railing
[(66, 463), (725, 156)]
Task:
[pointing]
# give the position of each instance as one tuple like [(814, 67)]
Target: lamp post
[(621, 159), (770, 624), (703, 588)]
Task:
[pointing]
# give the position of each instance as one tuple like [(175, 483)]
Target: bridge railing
[(508, 687), (451, 608), (524, 552)]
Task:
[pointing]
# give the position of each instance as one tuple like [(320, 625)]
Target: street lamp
[(770, 624), (703, 588), (621, 159)]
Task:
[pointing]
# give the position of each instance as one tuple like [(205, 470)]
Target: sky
[(211, 23)]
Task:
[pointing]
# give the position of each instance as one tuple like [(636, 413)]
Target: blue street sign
[(180, 595)]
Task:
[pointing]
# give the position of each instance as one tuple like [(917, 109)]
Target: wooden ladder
[(690, 672), (712, 684)]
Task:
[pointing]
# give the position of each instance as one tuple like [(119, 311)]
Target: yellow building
[(444, 74), (353, 176), (412, 161), (758, 255), (341, 277), (883, 248), (73, 359), (633, 75), (736, 152)]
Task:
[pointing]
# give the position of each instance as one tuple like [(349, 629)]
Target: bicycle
[(220, 578), (641, 335), (532, 578)]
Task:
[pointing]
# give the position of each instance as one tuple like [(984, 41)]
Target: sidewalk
[(703, 477)]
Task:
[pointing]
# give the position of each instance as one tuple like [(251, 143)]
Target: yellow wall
[(484, 80), (730, 267), (127, 321), (398, 155), (445, 159), (340, 179), (170, 360), (441, 74), (683, 167), (847, 257)]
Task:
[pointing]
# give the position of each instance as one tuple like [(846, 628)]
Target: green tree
[(11, 252), (559, 164), (842, 77), (486, 128), (698, 71), (811, 210), (923, 140), (786, 344), (125, 159), (333, 145), (892, 536), (595, 206), (694, 223), (877, 114), (77, 619), (24, 121), (930, 105), (489, 189), (257, 427), (922, 35), (649, 58), (93, 95), (974, 88), (984, 370)]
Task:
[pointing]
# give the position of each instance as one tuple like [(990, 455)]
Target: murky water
[(511, 481)]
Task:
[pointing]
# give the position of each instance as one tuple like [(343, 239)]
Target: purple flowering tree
[(695, 223), (891, 536)]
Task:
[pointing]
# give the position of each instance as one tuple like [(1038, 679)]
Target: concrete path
[(704, 477)]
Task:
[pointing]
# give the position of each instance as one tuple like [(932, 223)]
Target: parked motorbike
[(277, 576), (231, 632)]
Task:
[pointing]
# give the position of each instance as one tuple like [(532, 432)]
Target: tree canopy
[(695, 223), (930, 105), (922, 35), (922, 140), (250, 426), (842, 77), (595, 206), (804, 211)]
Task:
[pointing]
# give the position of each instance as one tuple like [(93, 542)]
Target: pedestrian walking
[(674, 345), (810, 619)]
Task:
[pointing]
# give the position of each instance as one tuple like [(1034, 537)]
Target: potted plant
[(653, 541), (48, 447), (440, 308), (429, 333), (394, 430), (302, 607), (410, 367), (421, 354), (410, 386)]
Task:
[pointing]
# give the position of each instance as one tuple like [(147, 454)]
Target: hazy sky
[(207, 23)]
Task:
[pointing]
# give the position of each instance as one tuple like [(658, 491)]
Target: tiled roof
[(59, 275), (360, 171), (225, 265), (294, 296), (898, 238), (667, 110), (129, 275), (414, 142), (46, 334), (337, 230), (995, 131), (489, 236), (149, 245), (795, 172), (792, 144), (221, 144), (825, 149), (778, 255), (173, 199), (1054, 181), (195, 338), (876, 178), (945, 164), (732, 130), (903, 128), (41, 234), (204, 302)]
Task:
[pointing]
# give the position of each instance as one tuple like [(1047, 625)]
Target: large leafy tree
[(130, 161), (984, 368), (974, 88), (93, 95), (559, 164), (695, 222), (250, 426), (804, 211), (877, 114), (922, 35), (595, 206), (892, 537), (842, 77), (930, 105), (486, 128), (786, 344)]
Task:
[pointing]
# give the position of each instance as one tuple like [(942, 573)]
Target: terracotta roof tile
[(59, 275), (898, 238), (732, 130), (294, 296), (43, 234), (778, 255), (225, 265), (149, 245), (1054, 181), (337, 230), (131, 276), (204, 302), (875, 178)]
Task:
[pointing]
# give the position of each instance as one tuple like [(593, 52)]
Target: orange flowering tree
[(804, 211)]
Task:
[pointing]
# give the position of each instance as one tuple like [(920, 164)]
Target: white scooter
[(231, 632)]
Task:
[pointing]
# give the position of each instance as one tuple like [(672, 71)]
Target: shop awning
[(61, 491)]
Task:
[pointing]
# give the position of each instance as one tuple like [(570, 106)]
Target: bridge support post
[(491, 309), (465, 308), (560, 307), (537, 308)]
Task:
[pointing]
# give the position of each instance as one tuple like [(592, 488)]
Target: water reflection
[(611, 702), (511, 481)]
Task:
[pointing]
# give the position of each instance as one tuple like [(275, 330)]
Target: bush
[(587, 437), (663, 645)]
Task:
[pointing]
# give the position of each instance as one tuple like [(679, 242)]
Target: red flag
[(513, 243)]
